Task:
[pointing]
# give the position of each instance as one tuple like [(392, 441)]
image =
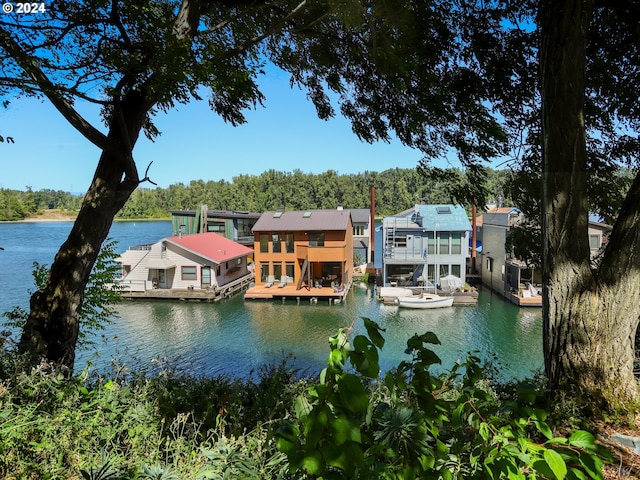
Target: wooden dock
[(191, 294), (290, 291)]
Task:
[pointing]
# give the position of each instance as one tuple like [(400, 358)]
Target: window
[(456, 243), (264, 271), (489, 264), (316, 239), (358, 230), (290, 270), (276, 243), (239, 261), (289, 243), (594, 242), (277, 271), (206, 276), (264, 243), (444, 243), (455, 270), (400, 241), (431, 273), (126, 270), (189, 273), (444, 270), (431, 242)]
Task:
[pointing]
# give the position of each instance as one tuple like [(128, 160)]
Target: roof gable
[(303, 221), (210, 245)]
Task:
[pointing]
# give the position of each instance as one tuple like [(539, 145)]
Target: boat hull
[(425, 302)]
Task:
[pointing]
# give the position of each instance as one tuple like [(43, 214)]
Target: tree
[(393, 65), (590, 314), (561, 73)]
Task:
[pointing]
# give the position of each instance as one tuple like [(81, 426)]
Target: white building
[(198, 261)]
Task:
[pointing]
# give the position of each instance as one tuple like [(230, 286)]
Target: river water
[(236, 337)]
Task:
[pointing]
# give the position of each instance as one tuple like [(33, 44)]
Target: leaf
[(556, 463), (312, 463), (582, 439), (354, 395), (373, 330)]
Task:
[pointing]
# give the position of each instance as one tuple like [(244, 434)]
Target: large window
[(431, 243), (455, 270), (456, 243), (289, 243), (264, 271), (277, 271), (594, 242), (276, 243), (316, 239), (264, 243), (189, 273), (444, 270), (290, 270), (444, 243), (431, 273)]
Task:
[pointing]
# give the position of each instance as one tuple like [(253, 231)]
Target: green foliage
[(100, 296), (396, 190), (89, 427), (423, 426), (17, 205)]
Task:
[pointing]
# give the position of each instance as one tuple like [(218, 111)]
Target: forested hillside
[(18, 205), (396, 190)]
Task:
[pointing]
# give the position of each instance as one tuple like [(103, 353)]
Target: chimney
[(372, 224)]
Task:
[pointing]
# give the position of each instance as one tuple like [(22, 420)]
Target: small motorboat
[(425, 300)]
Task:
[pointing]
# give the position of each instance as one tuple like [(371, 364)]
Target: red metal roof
[(211, 245)]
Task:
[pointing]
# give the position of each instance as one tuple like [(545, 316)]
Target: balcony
[(326, 253)]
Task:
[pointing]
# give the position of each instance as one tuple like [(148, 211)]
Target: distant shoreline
[(58, 216)]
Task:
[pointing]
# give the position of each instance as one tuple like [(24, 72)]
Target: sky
[(284, 135)]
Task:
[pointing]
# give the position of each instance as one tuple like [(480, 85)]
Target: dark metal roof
[(303, 220), (218, 213)]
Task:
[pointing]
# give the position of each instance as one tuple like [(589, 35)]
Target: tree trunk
[(51, 330), (589, 315)]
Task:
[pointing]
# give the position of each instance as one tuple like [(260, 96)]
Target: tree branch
[(29, 65)]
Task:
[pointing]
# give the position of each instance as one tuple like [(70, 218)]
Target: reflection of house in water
[(425, 243), (232, 224)]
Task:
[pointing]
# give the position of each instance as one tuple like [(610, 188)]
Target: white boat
[(425, 300)]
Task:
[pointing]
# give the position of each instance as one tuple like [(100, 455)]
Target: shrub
[(423, 426)]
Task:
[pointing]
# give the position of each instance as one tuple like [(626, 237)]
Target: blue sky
[(283, 135)]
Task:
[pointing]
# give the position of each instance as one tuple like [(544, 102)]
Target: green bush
[(346, 425), (449, 426)]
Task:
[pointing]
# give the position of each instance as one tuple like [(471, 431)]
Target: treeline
[(18, 205), (396, 190)]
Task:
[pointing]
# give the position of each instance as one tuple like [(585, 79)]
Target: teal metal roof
[(441, 217)]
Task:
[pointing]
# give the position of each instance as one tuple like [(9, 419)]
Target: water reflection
[(235, 337)]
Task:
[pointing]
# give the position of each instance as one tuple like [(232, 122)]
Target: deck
[(195, 294), (290, 291), (535, 301)]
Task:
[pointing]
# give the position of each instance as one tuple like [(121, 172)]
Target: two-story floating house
[(233, 224), (205, 263), (510, 276), (302, 254), (424, 244)]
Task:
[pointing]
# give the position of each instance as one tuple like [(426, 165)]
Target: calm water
[(235, 337)]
